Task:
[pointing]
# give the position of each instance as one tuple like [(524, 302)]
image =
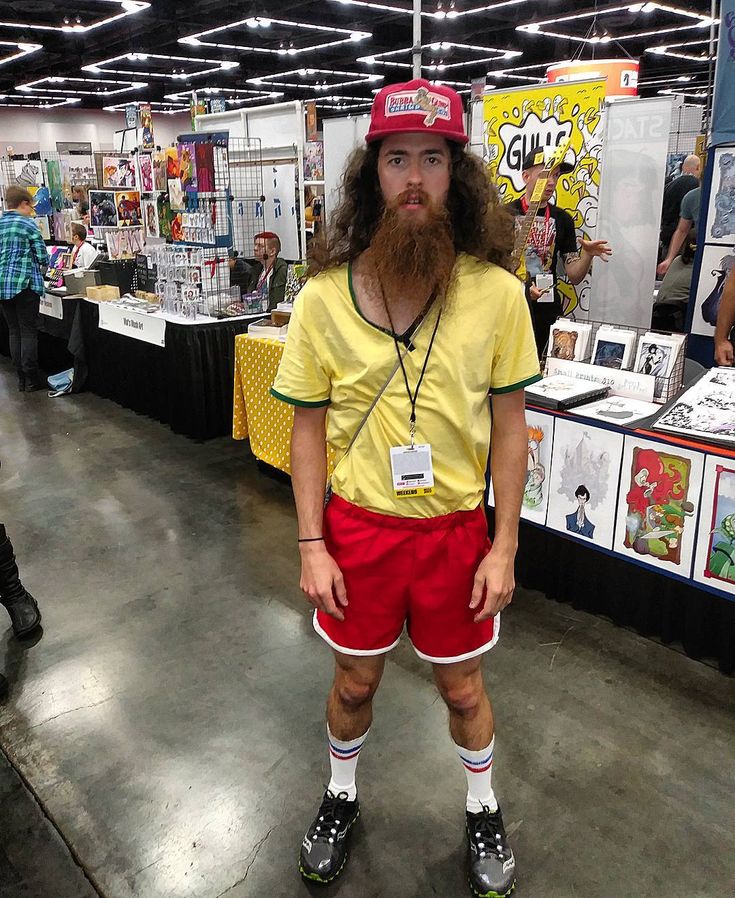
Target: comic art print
[(715, 560), (658, 504), (128, 208), (518, 121), (583, 486), (118, 171)]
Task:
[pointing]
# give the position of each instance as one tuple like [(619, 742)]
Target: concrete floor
[(170, 720)]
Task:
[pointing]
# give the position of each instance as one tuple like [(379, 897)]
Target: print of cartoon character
[(724, 222), (533, 493), (577, 521)]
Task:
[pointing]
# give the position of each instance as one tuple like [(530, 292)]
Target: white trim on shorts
[(467, 655), (345, 651)]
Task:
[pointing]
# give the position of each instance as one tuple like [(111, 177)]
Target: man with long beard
[(392, 351)]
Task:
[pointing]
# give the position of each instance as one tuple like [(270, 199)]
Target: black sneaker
[(492, 865), (324, 849)]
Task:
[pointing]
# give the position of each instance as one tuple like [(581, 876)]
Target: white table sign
[(622, 383), (51, 306), (139, 326)]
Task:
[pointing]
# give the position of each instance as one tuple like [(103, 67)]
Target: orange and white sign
[(621, 74)]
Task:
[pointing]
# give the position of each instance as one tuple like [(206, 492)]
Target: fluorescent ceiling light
[(288, 79), (108, 87), (42, 102), (123, 8), (22, 49), (213, 65), (386, 59)]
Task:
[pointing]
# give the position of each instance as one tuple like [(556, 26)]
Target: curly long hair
[(480, 225)]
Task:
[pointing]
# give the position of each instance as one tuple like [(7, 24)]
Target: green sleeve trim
[(299, 402), (519, 386)]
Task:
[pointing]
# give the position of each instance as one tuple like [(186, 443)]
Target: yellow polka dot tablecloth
[(255, 413)]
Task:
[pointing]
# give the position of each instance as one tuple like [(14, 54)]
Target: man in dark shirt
[(674, 194), (552, 240)]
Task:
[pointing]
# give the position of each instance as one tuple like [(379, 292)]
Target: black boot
[(21, 382), (22, 608)]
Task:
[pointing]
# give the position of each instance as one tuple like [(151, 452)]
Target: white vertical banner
[(279, 209), (634, 152)]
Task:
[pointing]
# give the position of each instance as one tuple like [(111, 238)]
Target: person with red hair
[(270, 270)]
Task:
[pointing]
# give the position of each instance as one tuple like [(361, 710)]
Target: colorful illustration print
[(187, 167), (657, 504), (720, 563), (128, 208), (118, 172), (533, 493), (54, 184), (204, 154), (102, 209), (146, 172)]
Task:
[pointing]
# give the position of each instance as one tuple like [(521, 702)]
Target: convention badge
[(545, 282), (412, 470)]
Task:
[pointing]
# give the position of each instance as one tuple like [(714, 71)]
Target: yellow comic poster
[(520, 120)]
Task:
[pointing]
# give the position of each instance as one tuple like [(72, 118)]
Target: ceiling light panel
[(95, 87), (554, 27), (157, 65), (78, 18), (35, 101), (167, 108), (441, 56), (321, 80), (686, 50), (439, 10), (10, 51), (277, 37)]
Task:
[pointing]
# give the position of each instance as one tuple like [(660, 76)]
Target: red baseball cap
[(417, 107)]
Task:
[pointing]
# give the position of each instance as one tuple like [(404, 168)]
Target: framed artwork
[(715, 557), (150, 217), (658, 503), (102, 209), (145, 160), (27, 173), (536, 491), (583, 486), (613, 348), (128, 208), (720, 227), (717, 263), (118, 171)]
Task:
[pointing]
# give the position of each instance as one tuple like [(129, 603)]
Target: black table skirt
[(631, 596), (187, 384), (60, 342)]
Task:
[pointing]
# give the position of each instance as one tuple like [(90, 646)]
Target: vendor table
[(186, 384), (565, 569)]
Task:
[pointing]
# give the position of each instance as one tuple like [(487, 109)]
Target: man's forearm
[(509, 466), (677, 241), (578, 269), (726, 313), (309, 469)]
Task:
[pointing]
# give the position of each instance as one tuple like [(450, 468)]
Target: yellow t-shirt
[(334, 356)]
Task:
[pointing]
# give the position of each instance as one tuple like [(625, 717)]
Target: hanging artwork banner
[(523, 119), (146, 127)]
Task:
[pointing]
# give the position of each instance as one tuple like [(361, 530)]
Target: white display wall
[(341, 137)]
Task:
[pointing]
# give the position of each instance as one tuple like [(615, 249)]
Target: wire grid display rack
[(246, 189), (665, 388)]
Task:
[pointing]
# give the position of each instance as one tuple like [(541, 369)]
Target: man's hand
[(535, 293), (495, 579), (724, 353), (322, 580), (598, 249), (663, 267)]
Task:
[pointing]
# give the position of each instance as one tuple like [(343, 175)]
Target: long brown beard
[(412, 261)]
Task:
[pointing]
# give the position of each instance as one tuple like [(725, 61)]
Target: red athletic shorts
[(417, 572)]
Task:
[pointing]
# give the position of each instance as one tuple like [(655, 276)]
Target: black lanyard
[(413, 397)]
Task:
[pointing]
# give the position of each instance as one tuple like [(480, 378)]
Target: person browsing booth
[(410, 324), (83, 254), (552, 241)]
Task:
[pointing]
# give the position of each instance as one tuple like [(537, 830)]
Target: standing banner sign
[(519, 120), (629, 216), (723, 107)]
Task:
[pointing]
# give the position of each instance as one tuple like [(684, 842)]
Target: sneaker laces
[(489, 835), (326, 825)]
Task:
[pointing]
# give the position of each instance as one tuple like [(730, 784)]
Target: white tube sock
[(478, 766), (343, 758)]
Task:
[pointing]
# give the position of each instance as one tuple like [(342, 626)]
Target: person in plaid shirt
[(23, 261)]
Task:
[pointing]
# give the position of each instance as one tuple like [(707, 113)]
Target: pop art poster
[(715, 559), (159, 171), (720, 226), (150, 218), (53, 172), (538, 467), (172, 163), (583, 487), (146, 125), (187, 167), (520, 120), (204, 155), (717, 263), (118, 171), (102, 209), (128, 208), (146, 172), (658, 503)]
